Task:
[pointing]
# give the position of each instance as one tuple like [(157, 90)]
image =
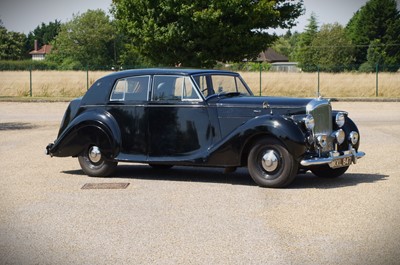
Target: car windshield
[(210, 84)]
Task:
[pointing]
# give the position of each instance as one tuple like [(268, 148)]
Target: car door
[(127, 105), (179, 126)]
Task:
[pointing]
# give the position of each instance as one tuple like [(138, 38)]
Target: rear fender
[(90, 127)]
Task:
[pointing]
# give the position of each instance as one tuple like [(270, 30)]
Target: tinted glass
[(178, 88)]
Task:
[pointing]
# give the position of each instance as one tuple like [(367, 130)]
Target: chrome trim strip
[(333, 155)]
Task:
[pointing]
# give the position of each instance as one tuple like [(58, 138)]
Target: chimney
[(35, 45)]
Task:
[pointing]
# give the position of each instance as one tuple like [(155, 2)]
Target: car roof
[(99, 91), (166, 71)]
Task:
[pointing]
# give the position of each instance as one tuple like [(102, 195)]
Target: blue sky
[(25, 15)]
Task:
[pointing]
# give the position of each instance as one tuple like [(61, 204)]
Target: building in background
[(279, 62), (40, 54)]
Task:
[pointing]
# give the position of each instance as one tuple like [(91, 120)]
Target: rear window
[(131, 89)]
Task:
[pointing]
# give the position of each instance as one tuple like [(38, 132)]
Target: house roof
[(46, 49), (271, 56)]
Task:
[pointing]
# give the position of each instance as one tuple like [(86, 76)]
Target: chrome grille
[(321, 110)]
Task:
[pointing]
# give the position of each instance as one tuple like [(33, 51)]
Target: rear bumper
[(48, 147), (333, 155)]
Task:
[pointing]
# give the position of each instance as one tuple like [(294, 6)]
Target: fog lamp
[(353, 137), (309, 122), (340, 136), (340, 119), (322, 141)]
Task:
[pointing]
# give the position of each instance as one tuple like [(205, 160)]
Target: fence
[(52, 83), (39, 83)]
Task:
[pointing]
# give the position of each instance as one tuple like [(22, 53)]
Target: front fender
[(89, 127), (348, 127), (230, 150)]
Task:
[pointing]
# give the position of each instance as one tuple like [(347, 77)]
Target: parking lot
[(191, 215)]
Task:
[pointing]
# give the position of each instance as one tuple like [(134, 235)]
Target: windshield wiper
[(229, 94), (225, 94)]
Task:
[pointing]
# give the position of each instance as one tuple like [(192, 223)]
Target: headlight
[(309, 122), (340, 136), (340, 119), (353, 138)]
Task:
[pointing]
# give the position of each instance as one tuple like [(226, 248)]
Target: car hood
[(276, 105)]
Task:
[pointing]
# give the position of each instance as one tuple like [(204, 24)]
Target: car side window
[(175, 88), (223, 83), (118, 93), (131, 89)]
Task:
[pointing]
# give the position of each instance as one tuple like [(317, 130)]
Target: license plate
[(341, 162)]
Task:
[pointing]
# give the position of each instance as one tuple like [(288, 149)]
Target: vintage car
[(208, 118)]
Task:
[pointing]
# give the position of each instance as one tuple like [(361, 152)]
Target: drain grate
[(104, 186)]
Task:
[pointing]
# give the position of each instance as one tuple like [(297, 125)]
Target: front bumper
[(333, 156)]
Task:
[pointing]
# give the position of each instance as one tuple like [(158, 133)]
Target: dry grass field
[(47, 83), (331, 85), (74, 83)]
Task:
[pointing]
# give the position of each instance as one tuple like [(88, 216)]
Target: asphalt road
[(194, 216)]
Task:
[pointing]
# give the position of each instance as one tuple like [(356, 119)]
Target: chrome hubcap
[(94, 154), (270, 161)]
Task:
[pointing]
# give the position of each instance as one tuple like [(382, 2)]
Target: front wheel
[(93, 163), (326, 171), (270, 164)]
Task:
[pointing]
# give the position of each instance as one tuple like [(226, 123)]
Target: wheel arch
[(96, 127), (97, 134), (280, 129), (250, 143)]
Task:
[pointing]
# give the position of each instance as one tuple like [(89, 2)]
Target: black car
[(209, 118)]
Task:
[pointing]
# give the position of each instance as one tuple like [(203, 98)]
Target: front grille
[(321, 110)]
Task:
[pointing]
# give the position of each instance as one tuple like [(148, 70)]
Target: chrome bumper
[(333, 155)]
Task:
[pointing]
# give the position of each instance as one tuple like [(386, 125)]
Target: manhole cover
[(93, 186)]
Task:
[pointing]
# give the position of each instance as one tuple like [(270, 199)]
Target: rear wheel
[(270, 164), (94, 164)]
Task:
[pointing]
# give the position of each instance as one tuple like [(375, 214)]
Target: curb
[(365, 99), (33, 99)]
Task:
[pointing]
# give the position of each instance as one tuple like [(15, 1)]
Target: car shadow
[(240, 177), (181, 174), (9, 126), (309, 180)]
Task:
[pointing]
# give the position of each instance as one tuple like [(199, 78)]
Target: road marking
[(92, 186)]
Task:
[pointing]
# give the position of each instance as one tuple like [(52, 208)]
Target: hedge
[(27, 65)]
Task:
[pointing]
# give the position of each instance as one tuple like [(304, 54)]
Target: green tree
[(332, 49), (87, 40), (304, 53), (199, 33), (282, 46), (376, 20), (12, 44), (375, 56), (3, 40), (286, 44), (392, 46)]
